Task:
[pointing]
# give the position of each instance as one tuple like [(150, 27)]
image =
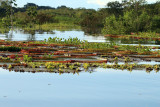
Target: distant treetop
[(30, 4)]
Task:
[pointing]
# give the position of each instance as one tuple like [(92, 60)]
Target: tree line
[(116, 18), (132, 16)]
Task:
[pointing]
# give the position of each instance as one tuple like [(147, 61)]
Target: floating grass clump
[(137, 49), (70, 41), (88, 45), (26, 58), (77, 67)]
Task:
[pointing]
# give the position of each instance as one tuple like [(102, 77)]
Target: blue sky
[(95, 4), (55, 3)]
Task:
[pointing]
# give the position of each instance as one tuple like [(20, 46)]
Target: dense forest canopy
[(116, 18)]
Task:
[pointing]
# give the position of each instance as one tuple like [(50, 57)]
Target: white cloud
[(98, 2), (102, 3)]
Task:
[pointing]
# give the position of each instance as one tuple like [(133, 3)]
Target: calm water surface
[(102, 88), (19, 35)]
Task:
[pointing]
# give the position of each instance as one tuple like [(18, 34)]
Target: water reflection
[(133, 41), (102, 88), (92, 31), (91, 35), (21, 35), (90, 70)]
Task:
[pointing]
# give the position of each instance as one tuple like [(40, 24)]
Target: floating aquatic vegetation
[(69, 55)]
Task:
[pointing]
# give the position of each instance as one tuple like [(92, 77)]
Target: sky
[(95, 4)]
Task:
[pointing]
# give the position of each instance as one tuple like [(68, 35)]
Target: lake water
[(101, 88)]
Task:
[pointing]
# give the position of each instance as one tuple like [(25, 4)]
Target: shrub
[(113, 26)]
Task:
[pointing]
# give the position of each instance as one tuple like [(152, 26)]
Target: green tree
[(32, 13), (136, 5), (127, 23), (113, 26), (115, 8), (137, 24), (5, 23), (158, 7), (91, 20), (44, 18), (8, 6), (156, 23), (11, 4)]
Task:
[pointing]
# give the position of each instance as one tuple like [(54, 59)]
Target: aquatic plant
[(88, 45), (156, 67), (137, 49), (71, 67), (103, 65), (122, 66), (77, 69), (127, 59), (10, 66), (130, 67), (69, 41), (86, 65), (116, 60), (26, 58)]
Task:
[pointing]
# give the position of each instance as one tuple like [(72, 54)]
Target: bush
[(128, 23), (135, 23), (92, 20), (113, 26), (156, 23)]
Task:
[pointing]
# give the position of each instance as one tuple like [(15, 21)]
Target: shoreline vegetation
[(117, 18), (48, 27)]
